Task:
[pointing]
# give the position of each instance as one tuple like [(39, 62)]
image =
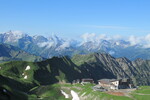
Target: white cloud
[(111, 52), (147, 37), (143, 41), (134, 40), (101, 37), (46, 44), (88, 37), (98, 38), (117, 37), (146, 40), (146, 45), (17, 32), (94, 38), (64, 45)]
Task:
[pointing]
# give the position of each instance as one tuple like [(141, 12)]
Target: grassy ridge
[(81, 59)]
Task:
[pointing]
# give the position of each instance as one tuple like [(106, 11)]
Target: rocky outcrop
[(107, 66)]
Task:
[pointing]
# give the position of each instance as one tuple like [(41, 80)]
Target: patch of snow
[(83, 94), (82, 84), (65, 94), (117, 43), (25, 77), (74, 95), (27, 68), (13, 36), (4, 90), (22, 73), (63, 46)]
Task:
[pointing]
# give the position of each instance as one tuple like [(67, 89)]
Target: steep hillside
[(10, 53), (99, 65), (34, 79), (19, 77), (64, 69), (46, 72)]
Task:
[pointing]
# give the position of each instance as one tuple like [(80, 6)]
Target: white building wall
[(116, 83)]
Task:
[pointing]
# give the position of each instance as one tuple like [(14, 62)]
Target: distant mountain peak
[(14, 32), (54, 45)]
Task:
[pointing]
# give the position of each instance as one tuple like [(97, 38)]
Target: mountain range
[(12, 53), (48, 47), (23, 79), (95, 66)]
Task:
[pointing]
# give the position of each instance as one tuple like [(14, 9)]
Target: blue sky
[(72, 18)]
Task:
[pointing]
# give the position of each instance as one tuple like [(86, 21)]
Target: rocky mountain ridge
[(11, 53), (96, 66), (100, 65)]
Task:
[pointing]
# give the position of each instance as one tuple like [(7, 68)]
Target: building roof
[(108, 80)]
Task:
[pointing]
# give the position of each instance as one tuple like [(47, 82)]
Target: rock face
[(105, 66)]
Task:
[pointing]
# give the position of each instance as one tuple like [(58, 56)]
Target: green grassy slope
[(45, 72), (40, 73), (84, 92), (42, 78), (81, 59)]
